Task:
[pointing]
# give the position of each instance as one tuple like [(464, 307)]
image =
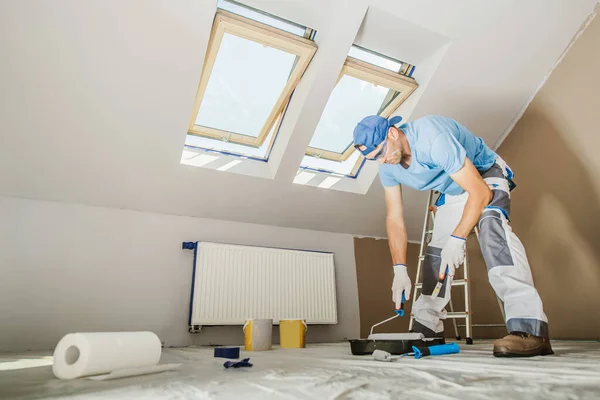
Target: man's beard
[(394, 158)]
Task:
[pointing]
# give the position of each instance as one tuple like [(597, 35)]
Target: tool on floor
[(237, 364), (418, 352), (380, 355), (438, 350), (227, 352), (465, 282)]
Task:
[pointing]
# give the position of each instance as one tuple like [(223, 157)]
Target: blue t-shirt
[(439, 146)]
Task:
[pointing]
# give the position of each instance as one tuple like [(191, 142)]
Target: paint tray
[(394, 343), (363, 347)]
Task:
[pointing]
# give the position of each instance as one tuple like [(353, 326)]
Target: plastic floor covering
[(326, 372)]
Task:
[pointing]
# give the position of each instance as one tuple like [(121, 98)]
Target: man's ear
[(392, 132)]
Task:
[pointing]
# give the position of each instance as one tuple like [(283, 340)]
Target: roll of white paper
[(84, 354)]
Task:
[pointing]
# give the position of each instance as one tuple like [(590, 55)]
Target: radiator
[(234, 283)]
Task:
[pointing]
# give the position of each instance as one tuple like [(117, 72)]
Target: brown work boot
[(521, 344)]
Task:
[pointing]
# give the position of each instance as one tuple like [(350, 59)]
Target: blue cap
[(372, 131)]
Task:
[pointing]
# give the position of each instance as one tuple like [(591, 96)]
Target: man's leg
[(429, 313), (510, 275)]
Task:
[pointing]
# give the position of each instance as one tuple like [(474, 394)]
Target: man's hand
[(453, 255), (401, 284)]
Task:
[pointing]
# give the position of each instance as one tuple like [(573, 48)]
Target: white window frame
[(226, 22), (378, 76)]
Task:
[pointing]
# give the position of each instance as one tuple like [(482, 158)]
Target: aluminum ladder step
[(458, 282), (452, 315)]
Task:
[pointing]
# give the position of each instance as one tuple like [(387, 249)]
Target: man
[(437, 153)]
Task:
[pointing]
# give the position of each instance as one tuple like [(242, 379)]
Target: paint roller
[(395, 336), (437, 350)]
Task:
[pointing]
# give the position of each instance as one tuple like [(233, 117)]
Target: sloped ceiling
[(96, 96)]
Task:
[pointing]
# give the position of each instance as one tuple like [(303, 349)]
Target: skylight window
[(351, 97), (226, 147), (376, 59), (240, 100), (250, 71), (363, 88), (264, 18)]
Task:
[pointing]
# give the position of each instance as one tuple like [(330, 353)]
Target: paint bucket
[(258, 334), (292, 333)]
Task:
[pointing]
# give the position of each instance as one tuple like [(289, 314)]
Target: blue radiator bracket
[(191, 246)]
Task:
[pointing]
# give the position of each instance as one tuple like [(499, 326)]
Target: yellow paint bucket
[(258, 334), (292, 333)]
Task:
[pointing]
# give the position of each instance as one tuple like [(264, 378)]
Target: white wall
[(67, 268), (96, 95)]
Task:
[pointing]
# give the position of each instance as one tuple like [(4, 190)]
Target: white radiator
[(235, 283)]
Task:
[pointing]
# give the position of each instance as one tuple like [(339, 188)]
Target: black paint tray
[(363, 347), (394, 343)]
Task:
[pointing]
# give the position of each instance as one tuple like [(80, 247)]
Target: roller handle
[(438, 350), (400, 311)]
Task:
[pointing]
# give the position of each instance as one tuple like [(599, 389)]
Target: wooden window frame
[(226, 22), (380, 77)]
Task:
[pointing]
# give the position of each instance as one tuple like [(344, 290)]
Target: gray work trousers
[(505, 258)]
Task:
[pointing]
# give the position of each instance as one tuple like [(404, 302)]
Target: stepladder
[(464, 283)]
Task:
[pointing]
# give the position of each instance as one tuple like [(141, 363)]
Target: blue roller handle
[(400, 312), (438, 350)]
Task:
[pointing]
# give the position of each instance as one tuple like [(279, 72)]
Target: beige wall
[(554, 150), (374, 275)]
